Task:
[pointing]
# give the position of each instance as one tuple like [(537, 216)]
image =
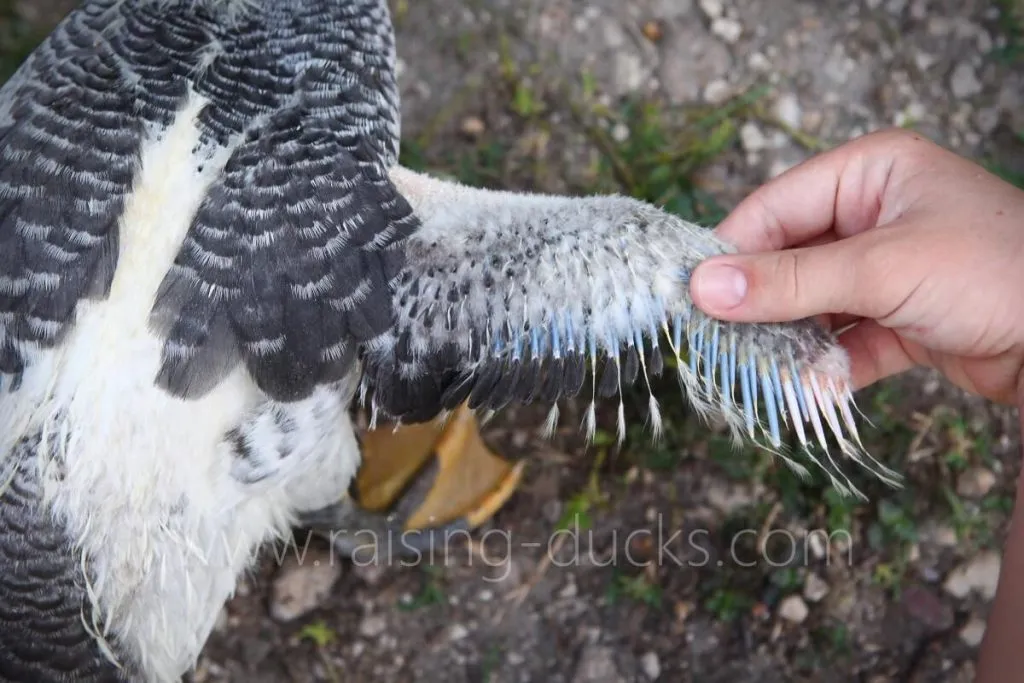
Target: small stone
[(202, 671), (691, 58), (614, 36), (964, 81), (473, 126), (651, 665), (984, 41), (629, 72), (975, 482), (301, 586), (972, 138), (973, 632), (987, 119), (652, 31), (457, 632), (811, 121), (682, 610), (924, 61), (620, 132), (701, 638), (927, 608), (814, 541), (751, 137), (793, 609), (939, 26), (815, 587), (728, 30), (981, 574), (714, 9), (717, 91), (960, 119), (787, 109), (372, 626), (597, 665), (916, 111), (671, 9), (941, 535), (758, 62)]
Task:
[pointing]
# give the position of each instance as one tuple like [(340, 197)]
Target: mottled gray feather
[(68, 144), (42, 595), (305, 226), (291, 257)]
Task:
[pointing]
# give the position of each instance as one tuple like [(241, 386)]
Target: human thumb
[(787, 285)]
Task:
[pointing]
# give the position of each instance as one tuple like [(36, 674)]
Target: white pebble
[(620, 132), (975, 482), (964, 81), (728, 30), (793, 609), (714, 9), (372, 626), (301, 587), (815, 588), (980, 574), (787, 109), (751, 137), (651, 665), (973, 632), (758, 62), (717, 91)]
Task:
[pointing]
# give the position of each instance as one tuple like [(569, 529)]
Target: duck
[(211, 257)]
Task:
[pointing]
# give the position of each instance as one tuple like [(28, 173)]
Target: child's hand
[(924, 246)]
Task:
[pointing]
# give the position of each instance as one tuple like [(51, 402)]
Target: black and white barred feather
[(289, 263)]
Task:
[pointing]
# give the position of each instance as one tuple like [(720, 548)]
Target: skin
[(922, 251)]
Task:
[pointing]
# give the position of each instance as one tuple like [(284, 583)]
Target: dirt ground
[(601, 95)]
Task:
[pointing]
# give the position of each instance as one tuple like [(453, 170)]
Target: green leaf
[(319, 632)]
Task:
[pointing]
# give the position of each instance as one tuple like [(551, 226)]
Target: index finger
[(841, 190)]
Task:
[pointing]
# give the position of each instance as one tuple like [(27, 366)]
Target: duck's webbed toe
[(418, 492)]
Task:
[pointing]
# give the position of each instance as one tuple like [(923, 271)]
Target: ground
[(746, 573)]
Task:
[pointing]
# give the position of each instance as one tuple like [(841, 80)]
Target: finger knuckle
[(893, 136), (901, 142), (873, 268), (787, 275)]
